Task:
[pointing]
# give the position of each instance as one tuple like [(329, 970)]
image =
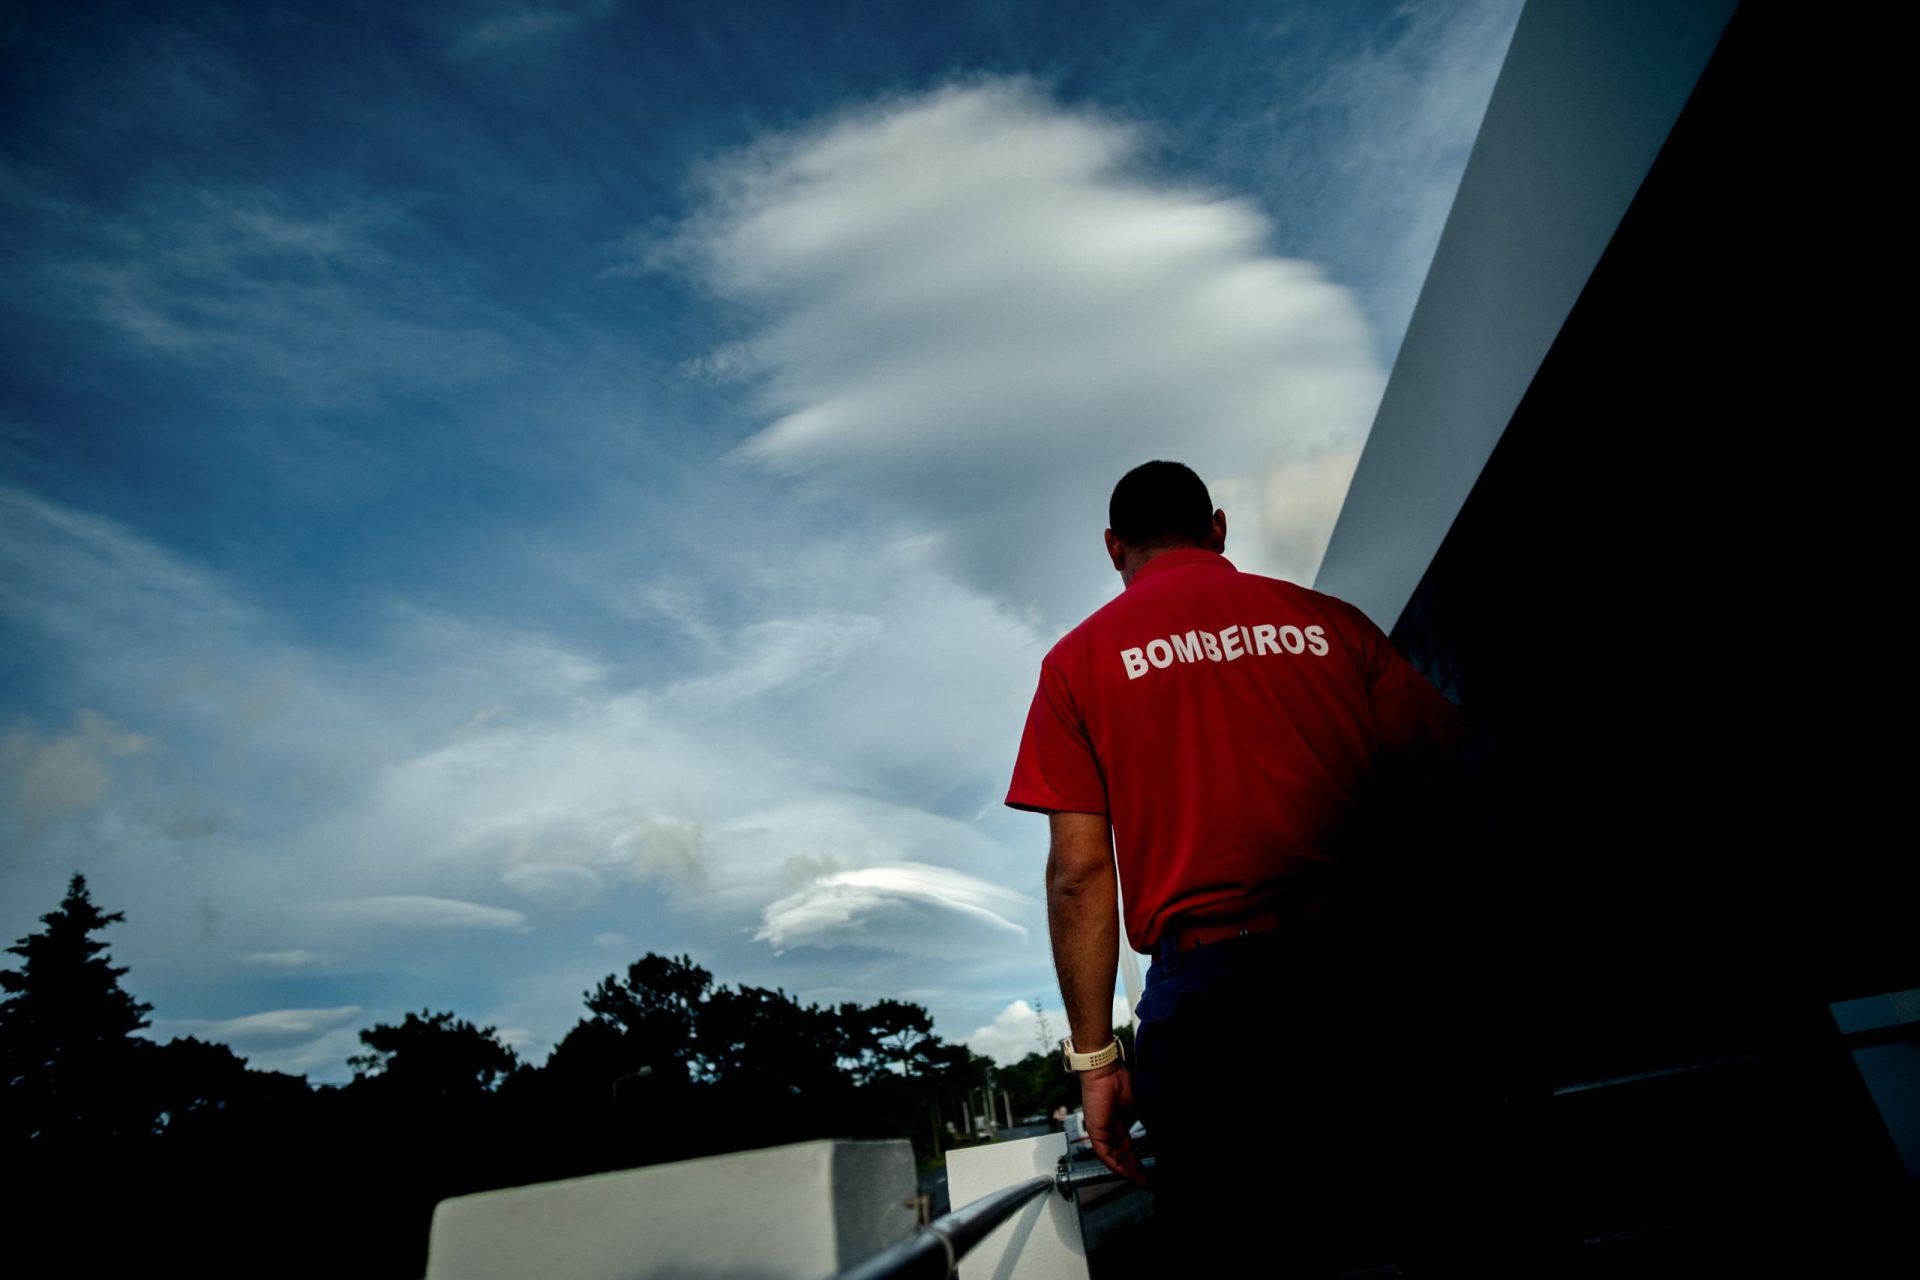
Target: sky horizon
[(494, 489)]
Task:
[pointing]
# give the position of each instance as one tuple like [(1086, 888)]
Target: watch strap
[(1077, 1061)]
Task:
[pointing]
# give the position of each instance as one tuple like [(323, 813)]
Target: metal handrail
[(935, 1250), (1070, 1179)]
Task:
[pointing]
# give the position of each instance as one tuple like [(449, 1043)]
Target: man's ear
[(1217, 537), (1116, 551)]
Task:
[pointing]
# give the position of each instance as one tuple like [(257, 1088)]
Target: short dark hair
[(1160, 504)]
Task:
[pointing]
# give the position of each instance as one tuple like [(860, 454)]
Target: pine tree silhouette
[(69, 1061)]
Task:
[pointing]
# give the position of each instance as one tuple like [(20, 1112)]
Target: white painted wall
[(1040, 1242), (803, 1212), (1586, 97)]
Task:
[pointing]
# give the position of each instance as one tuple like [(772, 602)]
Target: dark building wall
[(1666, 605)]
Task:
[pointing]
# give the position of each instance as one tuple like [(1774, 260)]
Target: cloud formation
[(1019, 1029), (908, 907), (419, 911), (1407, 112), (978, 308), (272, 1028), (557, 885), (306, 295), (464, 785), (456, 654), (46, 779)]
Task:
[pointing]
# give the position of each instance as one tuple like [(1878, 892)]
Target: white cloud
[(418, 911), (556, 885), (1017, 1031), (1014, 1033), (1410, 109), (780, 655), (976, 306), (84, 580), (860, 715), (323, 1058), (46, 779), (522, 1041), (410, 786), (268, 1028), (913, 908)]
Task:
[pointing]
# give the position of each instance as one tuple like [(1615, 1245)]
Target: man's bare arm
[(1083, 920)]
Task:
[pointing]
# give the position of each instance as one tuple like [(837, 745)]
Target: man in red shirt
[(1231, 746)]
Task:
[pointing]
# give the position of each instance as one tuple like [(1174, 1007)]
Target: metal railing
[(934, 1251)]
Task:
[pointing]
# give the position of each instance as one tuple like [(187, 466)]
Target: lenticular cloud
[(908, 907), (976, 308)]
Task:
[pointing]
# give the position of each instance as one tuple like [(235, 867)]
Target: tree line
[(131, 1150)]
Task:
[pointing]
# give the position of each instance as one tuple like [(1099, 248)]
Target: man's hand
[(1107, 1095)]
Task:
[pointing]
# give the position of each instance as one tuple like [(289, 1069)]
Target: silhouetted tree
[(203, 1091), (191, 1082), (752, 1034), (433, 1055), (956, 1068), (887, 1037), (589, 1059), (774, 1066), (69, 1061), (656, 1008), (619, 1088)]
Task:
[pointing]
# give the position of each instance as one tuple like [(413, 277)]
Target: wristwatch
[(1090, 1061)]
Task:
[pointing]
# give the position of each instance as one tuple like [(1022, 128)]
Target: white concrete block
[(802, 1212), (1040, 1242)]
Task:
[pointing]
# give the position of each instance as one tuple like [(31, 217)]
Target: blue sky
[(491, 489)]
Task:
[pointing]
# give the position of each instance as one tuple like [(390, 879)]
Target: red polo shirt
[(1228, 724)]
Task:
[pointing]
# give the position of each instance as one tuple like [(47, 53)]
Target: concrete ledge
[(785, 1213)]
